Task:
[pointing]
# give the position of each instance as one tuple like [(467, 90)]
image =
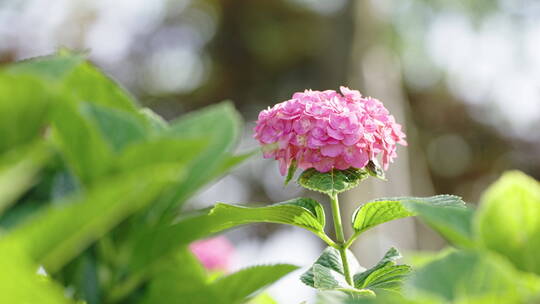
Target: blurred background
[(463, 76)]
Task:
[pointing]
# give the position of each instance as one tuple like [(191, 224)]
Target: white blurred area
[(490, 62)]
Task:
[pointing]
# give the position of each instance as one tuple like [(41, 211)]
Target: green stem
[(351, 240), (340, 236)]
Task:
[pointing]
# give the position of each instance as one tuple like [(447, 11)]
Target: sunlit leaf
[(236, 287), (508, 221), (153, 244), (384, 210), (20, 282), (60, 232), (18, 170), (472, 276)]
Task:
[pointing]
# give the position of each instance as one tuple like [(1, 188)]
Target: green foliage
[(20, 281), (502, 268), (327, 273), (333, 182), (386, 275), (92, 189), (22, 115), (472, 277), (508, 221), (301, 212), (91, 173), (384, 210), (18, 170), (182, 280)]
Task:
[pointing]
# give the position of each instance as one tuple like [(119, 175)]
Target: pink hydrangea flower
[(214, 253), (326, 130)]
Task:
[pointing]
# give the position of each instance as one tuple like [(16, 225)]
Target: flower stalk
[(340, 237)]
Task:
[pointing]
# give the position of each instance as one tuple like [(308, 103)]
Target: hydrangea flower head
[(326, 130)]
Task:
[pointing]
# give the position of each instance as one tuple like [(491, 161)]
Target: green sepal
[(375, 170), (290, 172)]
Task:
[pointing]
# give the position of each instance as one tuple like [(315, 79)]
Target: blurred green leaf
[(24, 107), (157, 124), (508, 220), (236, 287), (182, 280), (452, 223), (86, 83), (52, 67), (20, 282), (81, 144), (18, 170), (263, 298), (179, 279), (60, 232), (153, 244), (386, 275), (158, 150), (384, 210), (333, 182), (220, 124), (117, 127), (472, 277)]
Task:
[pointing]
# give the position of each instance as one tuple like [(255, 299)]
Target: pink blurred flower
[(214, 253), (326, 130)]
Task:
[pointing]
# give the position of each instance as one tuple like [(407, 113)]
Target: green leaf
[(182, 280), (302, 212), (51, 67), (80, 142), (236, 287), (384, 210), (386, 275), (178, 279), (159, 151), (327, 273), (156, 122), (152, 244), (117, 127), (466, 277), (24, 107), (86, 83), (332, 182), (290, 172), (508, 220), (221, 125), (61, 231), (452, 223), (18, 170), (20, 281)]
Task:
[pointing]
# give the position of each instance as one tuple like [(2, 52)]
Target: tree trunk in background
[(376, 71)]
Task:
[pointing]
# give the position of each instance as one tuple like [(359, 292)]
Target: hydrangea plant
[(337, 138)]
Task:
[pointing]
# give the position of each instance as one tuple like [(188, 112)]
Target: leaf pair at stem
[(337, 268)]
